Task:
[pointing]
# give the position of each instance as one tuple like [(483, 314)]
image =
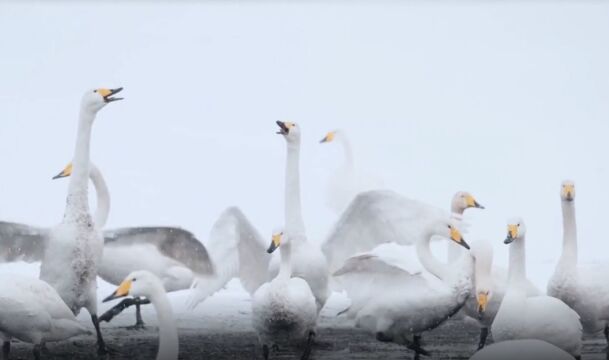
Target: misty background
[(501, 99)]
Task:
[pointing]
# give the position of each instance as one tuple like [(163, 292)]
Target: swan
[(143, 283), (284, 310), (412, 303), (32, 311), (461, 201), (383, 216), (522, 350), (174, 255), (539, 317), (308, 261), (584, 289), (75, 246), (347, 182)]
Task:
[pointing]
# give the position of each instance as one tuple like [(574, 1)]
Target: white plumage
[(522, 350)]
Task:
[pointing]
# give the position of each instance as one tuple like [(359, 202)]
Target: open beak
[(107, 94), (121, 291), (283, 129)]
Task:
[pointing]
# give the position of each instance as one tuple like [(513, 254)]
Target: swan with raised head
[(538, 317), (583, 288), (75, 246), (412, 303), (346, 182), (284, 310), (522, 350), (32, 311), (145, 284)]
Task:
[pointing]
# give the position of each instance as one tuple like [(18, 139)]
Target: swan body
[(539, 317), (522, 350), (583, 288), (144, 283), (412, 303), (284, 310)]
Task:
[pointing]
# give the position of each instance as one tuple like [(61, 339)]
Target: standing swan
[(284, 310), (539, 317), (584, 289), (144, 283), (75, 246)]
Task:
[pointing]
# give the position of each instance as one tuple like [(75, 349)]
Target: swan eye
[(134, 279), (94, 91)]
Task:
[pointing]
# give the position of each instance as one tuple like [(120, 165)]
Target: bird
[(347, 181), (33, 312), (583, 287), (75, 246), (411, 303), (143, 283), (284, 310), (538, 317), (522, 350)]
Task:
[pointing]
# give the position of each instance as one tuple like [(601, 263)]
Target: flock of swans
[(378, 253)]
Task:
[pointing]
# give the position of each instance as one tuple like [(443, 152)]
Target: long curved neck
[(168, 332), (569, 234), (346, 150), (103, 196), (78, 197), (429, 262), (285, 268), (517, 267), (455, 251), (294, 223)]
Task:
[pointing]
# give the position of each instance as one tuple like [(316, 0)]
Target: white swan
[(461, 201), (411, 303), (346, 182), (75, 246), (377, 217), (583, 288), (144, 283), (308, 262), (32, 311), (539, 317), (522, 350), (285, 309)]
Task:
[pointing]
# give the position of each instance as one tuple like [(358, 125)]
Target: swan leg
[(415, 346), (6, 349), (308, 346), (265, 352), (483, 336), (102, 349), (139, 323), (36, 352)]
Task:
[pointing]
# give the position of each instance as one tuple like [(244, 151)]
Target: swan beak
[(568, 192), (67, 171), (472, 203), (284, 128), (482, 302), (107, 94), (328, 138), (275, 243), (455, 235), (512, 234), (122, 291)]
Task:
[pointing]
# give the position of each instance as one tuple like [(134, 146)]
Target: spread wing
[(20, 242)]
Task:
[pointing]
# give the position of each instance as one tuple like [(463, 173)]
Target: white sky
[(504, 100)]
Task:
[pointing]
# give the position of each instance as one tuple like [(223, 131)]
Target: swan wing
[(20, 242), (238, 250), (176, 243), (377, 217)]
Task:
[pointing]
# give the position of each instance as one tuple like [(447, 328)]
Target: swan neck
[(294, 223), (569, 228), (455, 251), (429, 262), (103, 196), (347, 151), (517, 265), (168, 332), (285, 267), (78, 197)]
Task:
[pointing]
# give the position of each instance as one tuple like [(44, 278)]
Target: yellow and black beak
[(67, 171), (275, 243), (482, 302), (328, 138), (472, 203), (568, 192), (107, 94), (455, 235), (121, 291), (512, 234), (283, 128)]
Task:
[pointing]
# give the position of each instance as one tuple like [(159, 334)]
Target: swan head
[(330, 136), (94, 100), (482, 297), (516, 230), (450, 230), (289, 130), (138, 283), (67, 171), (463, 200), (276, 240), (567, 190)]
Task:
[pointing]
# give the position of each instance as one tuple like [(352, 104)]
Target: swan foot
[(483, 335), (139, 323), (308, 346), (415, 346)]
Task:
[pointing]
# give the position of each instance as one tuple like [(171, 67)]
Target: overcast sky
[(504, 100)]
